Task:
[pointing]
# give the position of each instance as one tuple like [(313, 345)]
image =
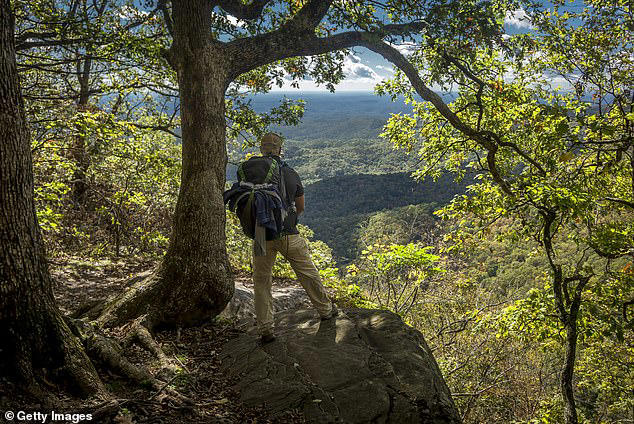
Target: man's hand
[(299, 204)]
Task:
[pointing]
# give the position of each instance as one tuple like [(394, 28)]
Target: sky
[(364, 68)]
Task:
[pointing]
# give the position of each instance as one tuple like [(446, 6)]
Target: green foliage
[(550, 206), (404, 225), (318, 159), (605, 337), (494, 376), (349, 295), (555, 163), (133, 181), (393, 275)]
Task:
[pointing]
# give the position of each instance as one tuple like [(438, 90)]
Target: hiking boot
[(267, 338), (333, 313)]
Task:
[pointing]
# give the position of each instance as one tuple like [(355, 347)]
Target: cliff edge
[(365, 366)]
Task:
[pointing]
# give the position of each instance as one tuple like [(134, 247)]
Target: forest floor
[(196, 351)]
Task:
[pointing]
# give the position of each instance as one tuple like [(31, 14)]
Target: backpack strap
[(285, 202), (272, 168), (241, 172), (283, 185)]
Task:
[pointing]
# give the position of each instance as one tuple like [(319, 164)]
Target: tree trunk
[(194, 281), (567, 374), (33, 333), (79, 154)]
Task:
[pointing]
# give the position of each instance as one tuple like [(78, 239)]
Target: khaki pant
[(295, 250)]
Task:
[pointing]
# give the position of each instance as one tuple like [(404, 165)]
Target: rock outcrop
[(365, 366), (242, 307)]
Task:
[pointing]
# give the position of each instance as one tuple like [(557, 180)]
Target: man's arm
[(299, 204)]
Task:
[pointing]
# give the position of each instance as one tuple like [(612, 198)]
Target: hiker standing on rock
[(268, 198)]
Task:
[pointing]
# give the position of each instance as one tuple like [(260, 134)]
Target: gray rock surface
[(241, 306), (365, 366)]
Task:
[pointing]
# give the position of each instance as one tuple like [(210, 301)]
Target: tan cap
[(271, 143)]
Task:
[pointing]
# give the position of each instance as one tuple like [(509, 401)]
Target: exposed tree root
[(139, 333), (152, 300), (81, 370), (164, 296), (104, 411), (107, 351)]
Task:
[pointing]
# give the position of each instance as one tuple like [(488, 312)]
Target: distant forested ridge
[(319, 159), (336, 206), (338, 135)]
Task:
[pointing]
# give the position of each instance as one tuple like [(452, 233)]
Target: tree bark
[(572, 335), (568, 313), (194, 281), (33, 333), (78, 150), (568, 371)]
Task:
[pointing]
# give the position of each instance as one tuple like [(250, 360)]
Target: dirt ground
[(195, 351)]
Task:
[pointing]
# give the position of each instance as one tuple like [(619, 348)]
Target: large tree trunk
[(194, 281), (33, 333)]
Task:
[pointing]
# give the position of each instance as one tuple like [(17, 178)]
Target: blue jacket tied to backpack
[(258, 198)]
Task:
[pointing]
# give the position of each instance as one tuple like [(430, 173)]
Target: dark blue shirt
[(294, 189)]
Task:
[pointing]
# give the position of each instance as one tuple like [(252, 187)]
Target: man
[(292, 246)]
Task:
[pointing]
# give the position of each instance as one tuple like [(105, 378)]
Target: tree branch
[(293, 40), (621, 201), (24, 45), (484, 139), (167, 17), (310, 15)]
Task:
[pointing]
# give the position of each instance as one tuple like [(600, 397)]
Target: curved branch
[(391, 54), (296, 39), (484, 139)]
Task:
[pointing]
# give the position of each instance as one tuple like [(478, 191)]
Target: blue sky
[(364, 68)]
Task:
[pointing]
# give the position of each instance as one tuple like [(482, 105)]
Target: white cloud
[(127, 12), (405, 48), (235, 21), (354, 69), (358, 77), (518, 18), (388, 69), (359, 70)]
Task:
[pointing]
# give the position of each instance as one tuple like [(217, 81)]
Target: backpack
[(259, 193)]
